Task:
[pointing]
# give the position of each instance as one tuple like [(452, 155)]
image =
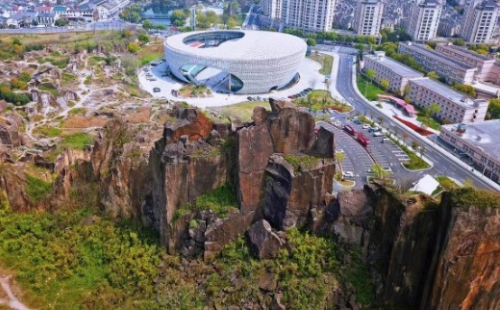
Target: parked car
[(348, 174), (365, 126), (156, 90), (152, 80)]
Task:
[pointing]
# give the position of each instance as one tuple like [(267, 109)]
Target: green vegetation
[(56, 60), (88, 80), (132, 13), (147, 59), (369, 89), (76, 141), (326, 62), (494, 109), (415, 162), (222, 201), (427, 116), (241, 111), (470, 196), (49, 131), (178, 18), (466, 89), (49, 88), (68, 77), (7, 94), (63, 264), (207, 19), (77, 111), (321, 99), (301, 161), (37, 189)]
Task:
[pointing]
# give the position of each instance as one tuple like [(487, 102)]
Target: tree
[(147, 24), (143, 38), (433, 109), (178, 18), (61, 22), (370, 73), (379, 172), (311, 42), (494, 109), (466, 89), (433, 75), (459, 42), (340, 156), (404, 136), (384, 83)]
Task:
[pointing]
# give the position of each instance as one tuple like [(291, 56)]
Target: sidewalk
[(428, 142), (334, 75)]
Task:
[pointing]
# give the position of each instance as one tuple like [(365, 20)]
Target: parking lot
[(356, 160)]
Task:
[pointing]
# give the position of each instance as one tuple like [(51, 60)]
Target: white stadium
[(243, 62)]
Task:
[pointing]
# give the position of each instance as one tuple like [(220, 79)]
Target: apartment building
[(424, 20), (480, 20), (455, 107), (271, 8), (449, 69), (308, 15), (395, 72), (480, 142), (368, 17), (487, 68)]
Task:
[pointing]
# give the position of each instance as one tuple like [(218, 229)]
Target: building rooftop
[(395, 66), (445, 91), (483, 135), (464, 50), (433, 54), (238, 45)]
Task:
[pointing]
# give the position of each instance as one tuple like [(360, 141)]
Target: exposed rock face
[(179, 174), (468, 271), (9, 130), (254, 149), (289, 195), (441, 257), (264, 242)]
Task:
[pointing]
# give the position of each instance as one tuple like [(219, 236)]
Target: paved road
[(356, 160), (442, 164)]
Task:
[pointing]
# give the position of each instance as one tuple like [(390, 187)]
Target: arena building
[(243, 62)]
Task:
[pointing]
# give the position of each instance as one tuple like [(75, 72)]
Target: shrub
[(133, 47), (37, 189)]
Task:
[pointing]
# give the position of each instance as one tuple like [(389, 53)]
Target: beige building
[(480, 20), (455, 107), (480, 142), (487, 70), (308, 15), (424, 20), (368, 17), (395, 72), (450, 69)]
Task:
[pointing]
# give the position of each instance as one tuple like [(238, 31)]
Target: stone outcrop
[(9, 130), (425, 255), (291, 192), (264, 242)]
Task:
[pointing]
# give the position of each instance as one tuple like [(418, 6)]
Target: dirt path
[(11, 300)]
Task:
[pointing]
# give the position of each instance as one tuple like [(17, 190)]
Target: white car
[(348, 174), (365, 126)]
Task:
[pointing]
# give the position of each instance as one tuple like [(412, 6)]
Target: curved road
[(443, 165)]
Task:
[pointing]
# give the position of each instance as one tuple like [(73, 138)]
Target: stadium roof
[(252, 45)]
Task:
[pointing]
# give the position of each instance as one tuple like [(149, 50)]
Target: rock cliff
[(425, 255)]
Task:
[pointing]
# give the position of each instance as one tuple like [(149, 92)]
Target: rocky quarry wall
[(423, 255)]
